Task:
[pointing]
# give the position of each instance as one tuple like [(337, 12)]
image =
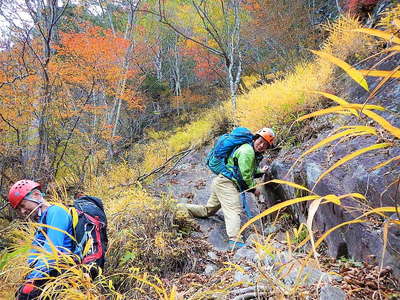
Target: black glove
[(27, 291)]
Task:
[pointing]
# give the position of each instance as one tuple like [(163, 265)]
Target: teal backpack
[(223, 148)]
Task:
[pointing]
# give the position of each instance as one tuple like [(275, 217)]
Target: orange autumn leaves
[(96, 59)]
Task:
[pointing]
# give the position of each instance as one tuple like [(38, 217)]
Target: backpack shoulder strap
[(74, 214)]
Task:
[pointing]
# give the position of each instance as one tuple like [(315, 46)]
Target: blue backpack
[(223, 148)]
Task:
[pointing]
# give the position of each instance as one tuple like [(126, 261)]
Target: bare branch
[(13, 127), (163, 20)]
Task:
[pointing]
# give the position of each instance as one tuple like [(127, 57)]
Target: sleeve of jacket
[(246, 161), (59, 222)]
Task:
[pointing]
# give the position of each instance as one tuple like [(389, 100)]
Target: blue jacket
[(59, 218)]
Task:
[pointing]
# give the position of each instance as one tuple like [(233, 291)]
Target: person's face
[(26, 207), (260, 145)]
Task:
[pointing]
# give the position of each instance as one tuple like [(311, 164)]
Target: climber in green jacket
[(225, 192)]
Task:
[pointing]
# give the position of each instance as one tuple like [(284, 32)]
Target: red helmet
[(19, 190), (267, 133)]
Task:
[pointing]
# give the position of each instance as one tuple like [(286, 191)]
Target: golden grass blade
[(385, 163), (144, 280), (385, 240), (330, 110), (380, 210), (289, 183), (381, 73), (38, 225), (311, 213), (357, 130), (277, 207), (289, 243), (332, 199), (355, 195), (337, 99), (367, 106), (173, 294), (352, 72), (382, 121), (382, 82), (351, 156), (329, 231), (394, 48), (236, 267), (378, 33), (302, 243)]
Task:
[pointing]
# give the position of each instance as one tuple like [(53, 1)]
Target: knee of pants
[(212, 210)]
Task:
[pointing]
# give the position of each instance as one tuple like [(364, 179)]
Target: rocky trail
[(190, 182), (259, 275)]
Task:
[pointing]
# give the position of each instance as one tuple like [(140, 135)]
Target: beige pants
[(223, 195)]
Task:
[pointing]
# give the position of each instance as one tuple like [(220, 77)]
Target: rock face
[(358, 241)]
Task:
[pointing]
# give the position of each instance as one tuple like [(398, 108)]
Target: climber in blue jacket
[(26, 197)]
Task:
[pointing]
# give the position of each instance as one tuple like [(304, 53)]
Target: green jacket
[(247, 162)]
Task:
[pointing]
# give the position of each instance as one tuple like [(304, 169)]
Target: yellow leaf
[(382, 121), (394, 48), (355, 195), (289, 243), (329, 231), (88, 246), (382, 82), (379, 210), (330, 110), (332, 199), (172, 296), (381, 73), (303, 242), (311, 213), (337, 99), (236, 267), (275, 208), (357, 130), (351, 156), (367, 106), (378, 33), (386, 162), (289, 183), (385, 240), (352, 72)]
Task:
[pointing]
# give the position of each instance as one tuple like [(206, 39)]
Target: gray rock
[(246, 254), (254, 237), (313, 171), (212, 255), (246, 277), (210, 269), (271, 229), (329, 292), (307, 276), (393, 247)]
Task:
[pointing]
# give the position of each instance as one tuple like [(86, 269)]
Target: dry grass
[(144, 236)]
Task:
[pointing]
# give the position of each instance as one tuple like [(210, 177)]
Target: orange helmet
[(267, 134), (19, 190)]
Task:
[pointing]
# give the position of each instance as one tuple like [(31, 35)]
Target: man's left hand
[(27, 291)]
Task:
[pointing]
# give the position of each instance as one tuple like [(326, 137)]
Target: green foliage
[(7, 255), (154, 88)]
